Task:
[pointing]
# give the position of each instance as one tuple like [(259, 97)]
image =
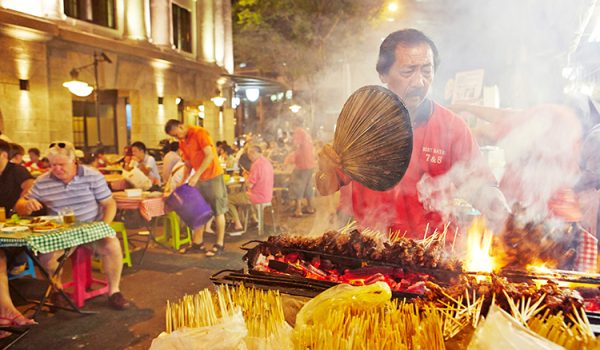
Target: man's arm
[(26, 186), (109, 208), (208, 158)]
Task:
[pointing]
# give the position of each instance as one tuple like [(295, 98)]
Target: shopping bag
[(189, 204)]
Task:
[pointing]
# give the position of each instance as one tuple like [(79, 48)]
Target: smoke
[(522, 46)]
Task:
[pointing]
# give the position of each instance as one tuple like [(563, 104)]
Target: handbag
[(189, 204)]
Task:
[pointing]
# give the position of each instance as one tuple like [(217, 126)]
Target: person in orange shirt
[(200, 155)]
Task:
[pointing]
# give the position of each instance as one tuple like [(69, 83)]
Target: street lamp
[(82, 89), (252, 94), (218, 101), (295, 108)]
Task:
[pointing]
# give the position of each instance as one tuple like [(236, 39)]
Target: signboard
[(468, 86)]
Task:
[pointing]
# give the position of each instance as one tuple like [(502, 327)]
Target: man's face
[(411, 74), (178, 132), (253, 155), (34, 157), (137, 153), (63, 168)]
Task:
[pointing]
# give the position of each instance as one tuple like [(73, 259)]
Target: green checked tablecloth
[(59, 239)]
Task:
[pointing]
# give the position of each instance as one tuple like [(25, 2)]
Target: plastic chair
[(172, 231), (29, 271), (81, 267), (260, 207), (119, 227)]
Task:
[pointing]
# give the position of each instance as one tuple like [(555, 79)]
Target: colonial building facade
[(155, 60)]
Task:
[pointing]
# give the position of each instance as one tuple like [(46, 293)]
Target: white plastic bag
[(281, 339), (137, 179), (500, 331), (228, 334)]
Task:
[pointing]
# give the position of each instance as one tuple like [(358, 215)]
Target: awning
[(267, 86)]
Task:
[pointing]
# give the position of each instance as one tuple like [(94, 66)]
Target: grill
[(291, 281)]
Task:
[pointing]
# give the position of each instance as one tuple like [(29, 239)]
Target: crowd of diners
[(61, 176)]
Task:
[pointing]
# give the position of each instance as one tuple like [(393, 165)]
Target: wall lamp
[(161, 100), (24, 84)]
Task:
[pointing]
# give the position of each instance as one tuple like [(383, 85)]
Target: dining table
[(150, 206), (63, 237)]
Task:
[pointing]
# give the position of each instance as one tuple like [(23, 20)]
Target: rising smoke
[(522, 47)]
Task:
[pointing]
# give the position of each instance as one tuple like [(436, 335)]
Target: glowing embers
[(479, 244)]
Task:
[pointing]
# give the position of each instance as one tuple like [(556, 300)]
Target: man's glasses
[(58, 144)]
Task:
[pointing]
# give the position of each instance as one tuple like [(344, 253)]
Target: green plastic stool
[(119, 227), (172, 231)]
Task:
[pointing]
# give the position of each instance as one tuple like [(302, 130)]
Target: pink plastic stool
[(81, 267)]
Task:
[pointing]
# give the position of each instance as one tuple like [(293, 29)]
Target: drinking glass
[(68, 216)]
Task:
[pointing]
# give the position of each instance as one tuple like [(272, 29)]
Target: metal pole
[(96, 103)]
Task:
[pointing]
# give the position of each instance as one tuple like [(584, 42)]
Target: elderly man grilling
[(85, 191)]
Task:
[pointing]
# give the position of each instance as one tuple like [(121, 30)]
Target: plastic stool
[(29, 271), (119, 227), (260, 207), (81, 267), (172, 230)]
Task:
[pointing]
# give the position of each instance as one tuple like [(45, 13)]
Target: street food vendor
[(407, 63)]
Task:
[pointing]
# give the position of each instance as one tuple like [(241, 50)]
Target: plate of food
[(14, 229), (48, 226)]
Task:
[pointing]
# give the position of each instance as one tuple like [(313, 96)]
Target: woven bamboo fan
[(373, 138)]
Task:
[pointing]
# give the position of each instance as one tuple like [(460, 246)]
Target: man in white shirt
[(145, 162)]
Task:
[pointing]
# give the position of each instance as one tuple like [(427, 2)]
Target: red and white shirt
[(440, 141)]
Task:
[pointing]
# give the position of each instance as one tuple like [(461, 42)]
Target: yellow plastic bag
[(343, 296)]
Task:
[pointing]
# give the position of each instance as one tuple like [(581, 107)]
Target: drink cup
[(2, 214), (68, 216)]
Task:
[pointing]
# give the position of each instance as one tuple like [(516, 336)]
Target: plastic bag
[(281, 339), (137, 179), (343, 296), (500, 331), (189, 204), (228, 334)]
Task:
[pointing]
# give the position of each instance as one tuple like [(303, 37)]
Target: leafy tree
[(296, 38)]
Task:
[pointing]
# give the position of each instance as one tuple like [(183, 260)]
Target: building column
[(228, 37), (135, 24), (205, 27), (219, 33), (160, 12)]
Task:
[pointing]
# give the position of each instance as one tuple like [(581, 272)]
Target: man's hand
[(326, 178), (32, 205), (194, 180)]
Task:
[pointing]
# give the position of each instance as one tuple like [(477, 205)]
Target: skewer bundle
[(195, 311), (373, 138), (262, 311), (576, 335), (393, 326)]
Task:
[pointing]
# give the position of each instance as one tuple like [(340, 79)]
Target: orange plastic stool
[(81, 267)]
